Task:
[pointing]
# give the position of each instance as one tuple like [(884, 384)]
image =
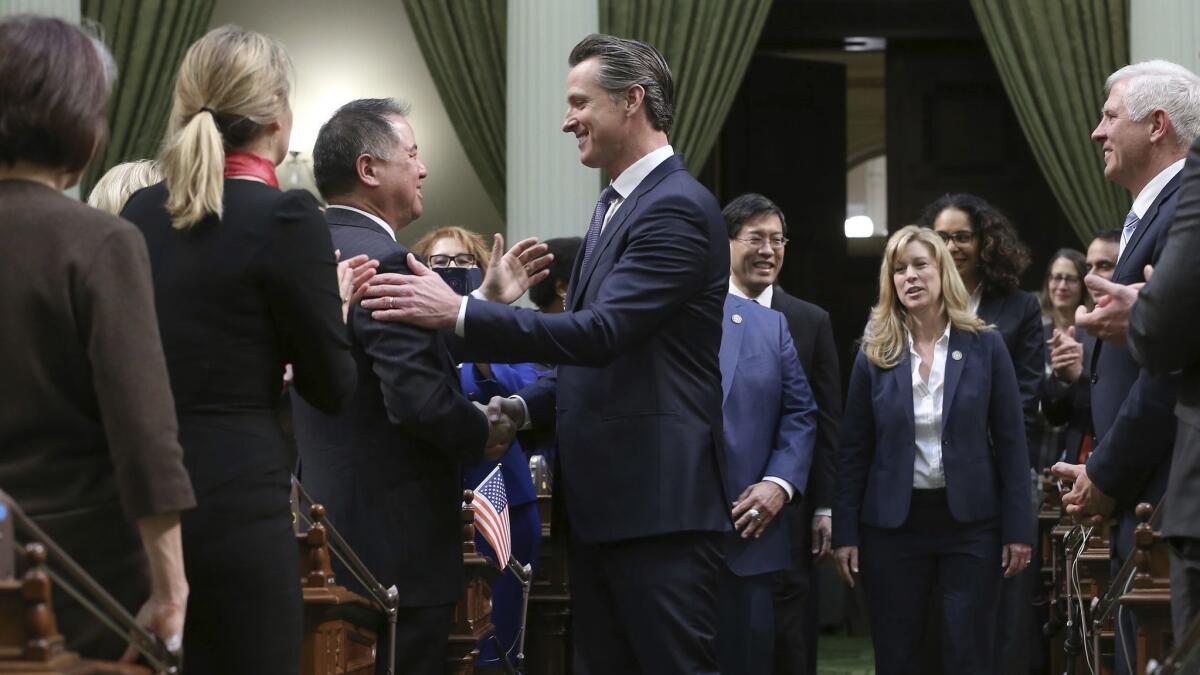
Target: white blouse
[(928, 471)]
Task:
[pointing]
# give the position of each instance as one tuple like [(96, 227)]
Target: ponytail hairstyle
[(232, 83)]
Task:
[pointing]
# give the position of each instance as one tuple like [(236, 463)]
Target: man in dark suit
[(387, 467), (1159, 320), (637, 397), (1144, 147), (757, 237), (770, 427)]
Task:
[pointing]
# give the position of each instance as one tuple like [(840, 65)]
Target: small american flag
[(491, 516)]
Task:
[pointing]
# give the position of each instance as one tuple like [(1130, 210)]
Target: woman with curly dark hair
[(990, 258)]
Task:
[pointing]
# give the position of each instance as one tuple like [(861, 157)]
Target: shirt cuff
[(787, 487), (527, 424), (823, 513), (460, 325)]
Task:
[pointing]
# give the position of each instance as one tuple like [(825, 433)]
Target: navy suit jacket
[(1017, 316), (770, 423), (983, 443), (637, 396), (387, 467), (1132, 409)]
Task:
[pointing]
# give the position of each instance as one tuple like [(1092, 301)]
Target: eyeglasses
[(755, 242), (961, 238), (1068, 279), (460, 260)]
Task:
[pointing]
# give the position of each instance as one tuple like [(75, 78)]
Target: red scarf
[(251, 165)]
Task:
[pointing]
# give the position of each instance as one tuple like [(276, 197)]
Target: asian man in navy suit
[(637, 396), (770, 431), (1147, 124)]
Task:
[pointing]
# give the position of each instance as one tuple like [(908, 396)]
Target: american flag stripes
[(491, 516)]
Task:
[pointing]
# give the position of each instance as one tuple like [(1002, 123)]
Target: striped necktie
[(593, 234), (1131, 223)]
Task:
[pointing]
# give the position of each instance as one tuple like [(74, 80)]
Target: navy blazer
[(983, 443), (387, 467), (770, 423), (1017, 316), (1132, 409), (637, 396)]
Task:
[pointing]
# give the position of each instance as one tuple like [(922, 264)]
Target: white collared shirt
[(632, 177), (386, 228), (763, 298), (1147, 196), (928, 471), (975, 299)]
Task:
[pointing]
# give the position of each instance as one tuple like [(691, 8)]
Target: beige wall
[(363, 49)]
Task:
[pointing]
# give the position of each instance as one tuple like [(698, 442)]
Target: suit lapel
[(731, 343), (954, 367), (621, 217), (1147, 220), (903, 381), (989, 306)]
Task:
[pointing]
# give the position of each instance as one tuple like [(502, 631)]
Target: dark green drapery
[(1053, 57), (148, 39), (708, 44), (464, 44)]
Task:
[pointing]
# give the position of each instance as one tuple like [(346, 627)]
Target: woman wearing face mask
[(450, 248), (932, 490), (245, 281)]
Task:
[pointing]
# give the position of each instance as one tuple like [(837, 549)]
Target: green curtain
[(708, 44), (464, 43), (1053, 57), (148, 39)]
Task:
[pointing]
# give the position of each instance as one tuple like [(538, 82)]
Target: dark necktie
[(593, 234)]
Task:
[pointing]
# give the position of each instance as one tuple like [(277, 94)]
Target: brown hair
[(55, 81), (472, 241), (231, 84)]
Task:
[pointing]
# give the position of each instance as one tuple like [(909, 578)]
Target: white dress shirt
[(386, 228), (975, 299), (928, 470), (1147, 196)]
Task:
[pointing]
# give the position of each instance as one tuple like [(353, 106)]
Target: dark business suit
[(770, 428), (238, 298), (1162, 338), (388, 466), (637, 403), (796, 599), (912, 541), (1133, 409)]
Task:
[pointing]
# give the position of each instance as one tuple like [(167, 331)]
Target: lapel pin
[(957, 355), (737, 318)]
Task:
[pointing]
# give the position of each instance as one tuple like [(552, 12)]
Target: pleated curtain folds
[(708, 45), (1053, 57), (148, 39), (464, 43)]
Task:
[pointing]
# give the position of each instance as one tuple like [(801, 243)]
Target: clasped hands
[(1110, 318), (1086, 502), (424, 300), (505, 416)]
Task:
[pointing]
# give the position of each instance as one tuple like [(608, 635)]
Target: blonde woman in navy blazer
[(932, 474)]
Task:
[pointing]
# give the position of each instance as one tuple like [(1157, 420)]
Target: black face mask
[(462, 280)]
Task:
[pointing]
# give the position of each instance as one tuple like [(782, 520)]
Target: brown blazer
[(87, 420)]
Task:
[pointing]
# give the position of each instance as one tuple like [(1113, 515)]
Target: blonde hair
[(231, 84), (472, 241), (118, 183), (885, 339)]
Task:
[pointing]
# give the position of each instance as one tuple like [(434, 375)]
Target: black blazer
[(812, 333), (387, 467), (1162, 337), (1071, 404), (1018, 317), (638, 389), (983, 449), (1132, 408)]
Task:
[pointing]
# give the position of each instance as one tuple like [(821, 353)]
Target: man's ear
[(1160, 125), (635, 96), (366, 169)]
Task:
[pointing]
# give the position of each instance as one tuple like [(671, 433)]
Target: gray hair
[(626, 63), (361, 127), (1150, 85)]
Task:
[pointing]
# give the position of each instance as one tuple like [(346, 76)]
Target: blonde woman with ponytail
[(932, 487), (245, 282)]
